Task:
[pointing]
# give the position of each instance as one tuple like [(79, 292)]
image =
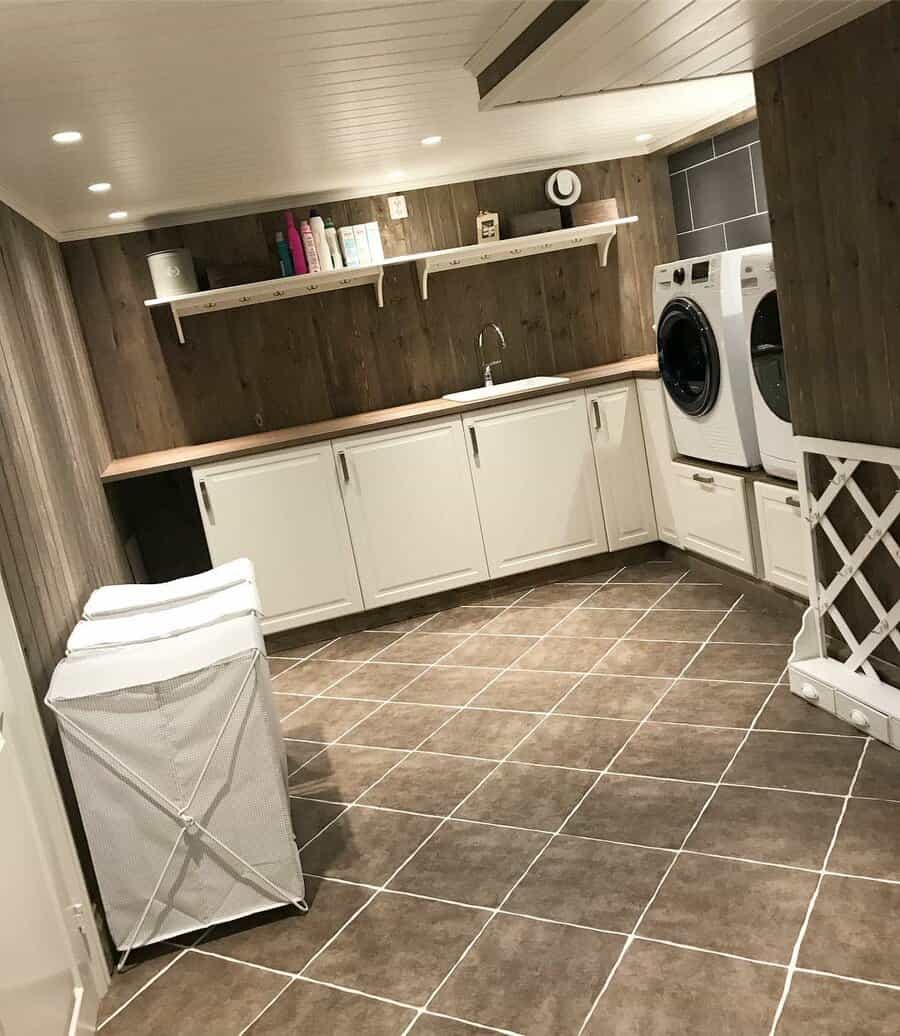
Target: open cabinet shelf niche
[(598, 234)]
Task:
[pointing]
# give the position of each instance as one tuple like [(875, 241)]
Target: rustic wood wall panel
[(828, 117), (302, 360)]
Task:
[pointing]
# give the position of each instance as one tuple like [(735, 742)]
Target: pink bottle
[(295, 245), (309, 246)]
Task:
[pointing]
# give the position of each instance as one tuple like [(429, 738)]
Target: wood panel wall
[(830, 135), (302, 360)]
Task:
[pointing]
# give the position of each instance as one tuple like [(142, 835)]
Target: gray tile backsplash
[(719, 193)]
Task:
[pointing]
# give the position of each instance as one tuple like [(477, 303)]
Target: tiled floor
[(593, 808)]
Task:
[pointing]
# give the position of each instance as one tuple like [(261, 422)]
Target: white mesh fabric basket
[(127, 598), (178, 768)]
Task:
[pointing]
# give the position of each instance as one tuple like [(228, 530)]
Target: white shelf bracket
[(422, 268)]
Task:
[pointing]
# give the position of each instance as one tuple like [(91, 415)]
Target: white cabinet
[(615, 423), (536, 484), (782, 534), (284, 512), (660, 451), (411, 509), (712, 515)]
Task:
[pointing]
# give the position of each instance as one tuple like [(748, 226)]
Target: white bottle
[(333, 246), (317, 225)]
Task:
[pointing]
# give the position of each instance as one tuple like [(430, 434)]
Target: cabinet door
[(618, 439), (284, 512), (712, 515), (536, 483), (782, 534), (411, 508), (658, 440)]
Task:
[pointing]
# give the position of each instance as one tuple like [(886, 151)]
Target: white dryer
[(702, 358), (768, 383)]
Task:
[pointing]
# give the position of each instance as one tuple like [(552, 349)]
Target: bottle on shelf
[(284, 255), (333, 247), (309, 247), (295, 245), (317, 225)]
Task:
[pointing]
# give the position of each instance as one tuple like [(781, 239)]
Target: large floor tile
[(773, 826), (580, 741), (853, 930), (531, 977), (423, 648), (527, 796), (285, 939), (399, 947), (662, 571), (366, 844), (712, 598), (637, 597), (425, 783), (399, 725), (143, 965), (470, 863), (198, 993), (357, 647), (668, 991), (615, 697), (532, 622), (297, 753), (597, 622), (712, 703), (801, 762), (309, 1007), (598, 884), (325, 719), (685, 625), (565, 654), (759, 627), (762, 663), (447, 685), (482, 732), (432, 1025), (313, 676), (679, 751), (487, 650), (557, 595), (647, 658), (526, 691), (879, 775), (786, 711), (278, 666), (308, 818), (285, 704), (375, 680), (342, 772), (467, 619), (868, 842), (822, 1006), (640, 810), (748, 909)]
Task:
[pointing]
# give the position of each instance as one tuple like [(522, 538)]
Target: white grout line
[(795, 954), (630, 939), (566, 819), (259, 1015), (146, 985)]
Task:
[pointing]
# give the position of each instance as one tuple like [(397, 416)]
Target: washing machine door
[(688, 357), (767, 356)]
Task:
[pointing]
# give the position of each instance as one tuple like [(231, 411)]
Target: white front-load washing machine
[(702, 358), (768, 382)]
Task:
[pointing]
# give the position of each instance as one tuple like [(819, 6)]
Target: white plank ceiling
[(234, 106), (621, 44)]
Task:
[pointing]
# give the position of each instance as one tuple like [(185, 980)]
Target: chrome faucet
[(487, 367)]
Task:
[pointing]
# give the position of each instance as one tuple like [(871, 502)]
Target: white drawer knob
[(858, 718), (809, 692)]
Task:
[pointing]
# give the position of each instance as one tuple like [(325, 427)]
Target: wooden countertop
[(337, 427)]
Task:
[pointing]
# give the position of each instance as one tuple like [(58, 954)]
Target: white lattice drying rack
[(850, 689)]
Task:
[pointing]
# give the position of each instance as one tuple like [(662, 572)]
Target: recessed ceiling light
[(118, 214), (431, 141), (66, 137), (99, 188), (642, 138)]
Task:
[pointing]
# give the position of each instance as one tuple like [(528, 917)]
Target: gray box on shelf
[(534, 222)]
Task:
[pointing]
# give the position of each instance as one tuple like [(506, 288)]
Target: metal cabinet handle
[(598, 423), (793, 501), (345, 471), (705, 479), (474, 439), (207, 505)]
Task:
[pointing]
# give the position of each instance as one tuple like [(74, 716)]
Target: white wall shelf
[(598, 234), (271, 291)]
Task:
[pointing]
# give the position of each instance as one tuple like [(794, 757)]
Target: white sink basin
[(488, 392)]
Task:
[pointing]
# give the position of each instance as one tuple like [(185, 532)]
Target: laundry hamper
[(163, 623), (126, 598), (176, 759)]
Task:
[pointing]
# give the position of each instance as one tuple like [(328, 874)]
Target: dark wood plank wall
[(830, 135), (302, 360)]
